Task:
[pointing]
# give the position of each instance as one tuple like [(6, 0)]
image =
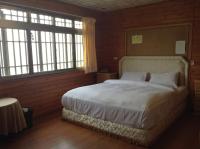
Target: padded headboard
[(155, 64)]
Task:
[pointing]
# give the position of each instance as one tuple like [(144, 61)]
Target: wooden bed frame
[(152, 64)]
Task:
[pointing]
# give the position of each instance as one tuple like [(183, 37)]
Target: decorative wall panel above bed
[(156, 41)]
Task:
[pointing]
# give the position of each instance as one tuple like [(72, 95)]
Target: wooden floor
[(54, 133)]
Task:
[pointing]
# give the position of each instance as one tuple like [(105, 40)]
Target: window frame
[(29, 26)]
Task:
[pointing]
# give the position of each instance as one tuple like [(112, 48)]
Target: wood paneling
[(195, 53), (112, 35), (157, 41), (43, 93)]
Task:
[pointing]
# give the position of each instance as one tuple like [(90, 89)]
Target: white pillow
[(134, 76), (166, 79)]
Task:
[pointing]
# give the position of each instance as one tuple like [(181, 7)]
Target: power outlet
[(115, 58)]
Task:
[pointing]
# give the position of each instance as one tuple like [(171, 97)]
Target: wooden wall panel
[(196, 32), (157, 41), (113, 34), (43, 93), (164, 13), (195, 53)]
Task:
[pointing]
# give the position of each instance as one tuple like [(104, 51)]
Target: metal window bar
[(1, 57), (59, 45), (58, 55), (51, 51), (54, 46), (46, 52), (29, 53), (81, 51), (1, 52), (70, 55), (66, 49), (77, 48), (65, 40), (37, 50), (40, 51), (57, 50), (5, 53), (73, 47)]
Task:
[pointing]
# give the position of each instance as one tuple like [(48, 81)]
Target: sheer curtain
[(90, 60)]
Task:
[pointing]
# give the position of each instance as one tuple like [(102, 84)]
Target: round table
[(11, 116)]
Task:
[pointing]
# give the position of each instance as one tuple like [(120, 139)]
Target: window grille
[(35, 42)]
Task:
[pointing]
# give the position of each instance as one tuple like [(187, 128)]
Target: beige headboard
[(155, 64)]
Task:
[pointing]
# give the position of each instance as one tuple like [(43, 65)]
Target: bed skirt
[(137, 136)]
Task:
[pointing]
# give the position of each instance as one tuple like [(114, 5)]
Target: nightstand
[(196, 99), (102, 76)]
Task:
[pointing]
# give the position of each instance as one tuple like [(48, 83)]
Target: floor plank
[(54, 133)]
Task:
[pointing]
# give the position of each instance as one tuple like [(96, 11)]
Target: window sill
[(10, 78)]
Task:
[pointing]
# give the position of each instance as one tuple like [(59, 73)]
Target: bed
[(137, 110)]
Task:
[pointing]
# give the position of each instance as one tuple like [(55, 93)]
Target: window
[(78, 24), (64, 51), (41, 19), (14, 15), (14, 57), (63, 22), (34, 42), (79, 50), (42, 51)]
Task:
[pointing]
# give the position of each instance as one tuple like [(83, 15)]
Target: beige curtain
[(90, 60)]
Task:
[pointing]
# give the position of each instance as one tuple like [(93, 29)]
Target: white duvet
[(130, 103)]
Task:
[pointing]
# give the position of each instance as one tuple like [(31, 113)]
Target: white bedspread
[(134, 104)]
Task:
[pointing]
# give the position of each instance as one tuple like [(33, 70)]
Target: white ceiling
[(109, 5)]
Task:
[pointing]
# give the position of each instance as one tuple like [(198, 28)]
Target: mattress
[(139, 105)]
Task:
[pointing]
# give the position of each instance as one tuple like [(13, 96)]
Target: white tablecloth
[(11, 116)]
